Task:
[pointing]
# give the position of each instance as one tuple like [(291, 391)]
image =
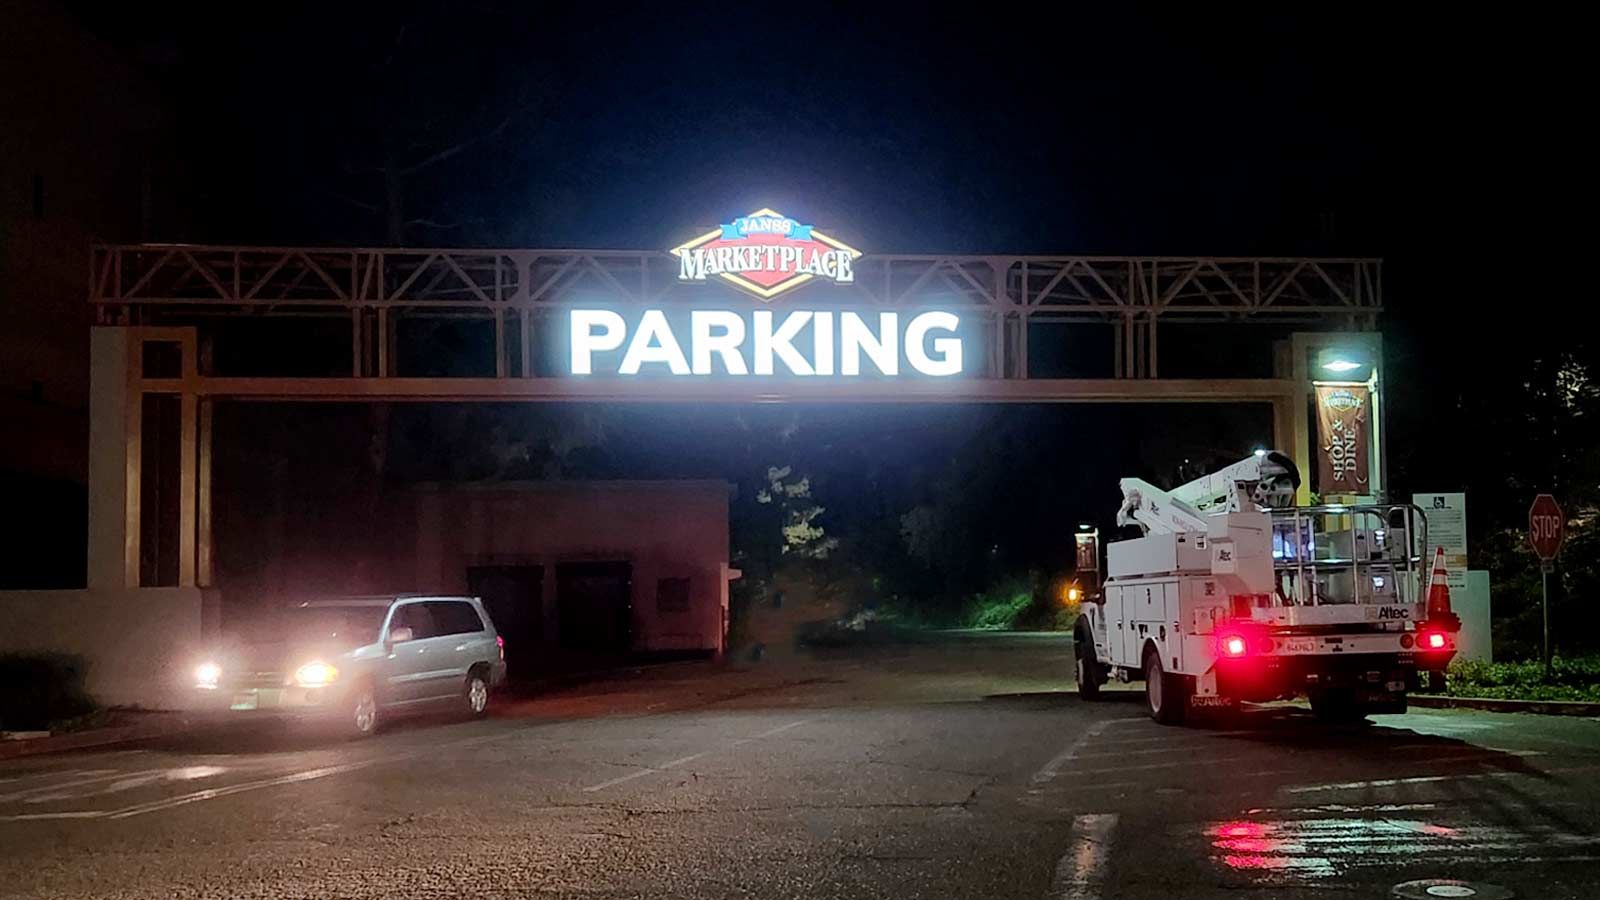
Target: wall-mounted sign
[(1343, 439), (766, 253), (1447, 528), (763, 342)]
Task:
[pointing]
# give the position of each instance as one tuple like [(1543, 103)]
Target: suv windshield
[(341, 626)]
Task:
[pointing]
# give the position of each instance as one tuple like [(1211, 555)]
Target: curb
[(1488, 704), (97, 737)]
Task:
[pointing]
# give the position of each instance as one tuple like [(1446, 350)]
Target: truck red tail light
[(1234, 645), (1432, 640)]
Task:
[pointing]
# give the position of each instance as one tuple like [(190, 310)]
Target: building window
[(672, 595)]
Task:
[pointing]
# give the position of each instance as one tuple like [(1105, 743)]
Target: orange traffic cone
[(1439, 611)]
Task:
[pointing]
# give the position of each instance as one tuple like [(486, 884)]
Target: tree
[(800, 535)]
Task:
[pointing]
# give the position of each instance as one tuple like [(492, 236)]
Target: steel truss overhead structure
[(174, 284), (162, 304)]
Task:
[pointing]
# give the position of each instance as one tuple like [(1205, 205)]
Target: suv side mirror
[(399, 635)]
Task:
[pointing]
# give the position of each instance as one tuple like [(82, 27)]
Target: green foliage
[(1576, 678), (998, 610), (38, 691), (1018, 603), (1543, 392), (797, 514)]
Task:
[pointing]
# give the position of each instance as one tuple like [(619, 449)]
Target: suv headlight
[(207, 674), (315, 674)]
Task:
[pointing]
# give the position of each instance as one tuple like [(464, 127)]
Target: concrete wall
[(1476, 640), (665, 529), (139, 643)]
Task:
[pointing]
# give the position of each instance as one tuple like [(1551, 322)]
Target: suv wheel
[(476, 694), (363, 712)]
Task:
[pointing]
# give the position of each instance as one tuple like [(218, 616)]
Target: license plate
[(1300, 645), (243, 701), (1202, 702)]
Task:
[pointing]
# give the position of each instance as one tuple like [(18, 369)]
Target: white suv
[(359, 660)]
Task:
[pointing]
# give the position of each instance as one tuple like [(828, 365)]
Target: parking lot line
[(92, 776), (237, 788), (1424, 779), (671, 764), (1049, 770), (1082, 868)]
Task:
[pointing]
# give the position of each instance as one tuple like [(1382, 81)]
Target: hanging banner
[(1088, 551), (1343, 439)]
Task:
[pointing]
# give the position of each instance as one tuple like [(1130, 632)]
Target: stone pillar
[(113, 462)]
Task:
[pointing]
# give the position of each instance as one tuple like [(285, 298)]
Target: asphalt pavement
[(961, 767)]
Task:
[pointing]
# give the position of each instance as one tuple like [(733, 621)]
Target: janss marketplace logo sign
[(765, 253)]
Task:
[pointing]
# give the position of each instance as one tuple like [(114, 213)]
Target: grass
[(1571, 679)]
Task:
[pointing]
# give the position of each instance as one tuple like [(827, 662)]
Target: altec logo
[(766, 253)]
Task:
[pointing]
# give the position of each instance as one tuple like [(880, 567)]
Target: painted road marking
[(1190, 739), (140, 809), (54, 773), (1143, 752), (1481, 755), (176, 773), (672, 764), (1081, 870), (1424, 779), (90, 777), (1049, 770), (1323, 847)]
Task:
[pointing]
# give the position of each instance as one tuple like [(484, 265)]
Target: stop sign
[(1547, 527)]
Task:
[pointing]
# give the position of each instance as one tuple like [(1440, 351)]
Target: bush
[(1570, 679), (1020, 603), (998, 610), (40, 690)]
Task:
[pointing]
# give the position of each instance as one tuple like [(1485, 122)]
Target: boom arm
[(1261, 480)]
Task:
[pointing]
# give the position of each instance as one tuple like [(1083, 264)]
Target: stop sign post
[(1547, 529)]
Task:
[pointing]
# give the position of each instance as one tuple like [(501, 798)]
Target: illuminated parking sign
[(764, 342), (766, 253)]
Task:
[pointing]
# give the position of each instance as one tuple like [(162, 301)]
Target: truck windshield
[(341, 626)]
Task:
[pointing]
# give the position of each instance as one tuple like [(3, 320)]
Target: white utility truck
[(1234, 594)]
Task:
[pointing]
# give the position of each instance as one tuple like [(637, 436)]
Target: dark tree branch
[(455, 149), (358, 204)]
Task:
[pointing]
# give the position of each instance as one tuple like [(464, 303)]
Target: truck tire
[(1087, 665), (1166, 696)]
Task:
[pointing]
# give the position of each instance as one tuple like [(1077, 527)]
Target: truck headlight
[(207, 674), (315, 674)]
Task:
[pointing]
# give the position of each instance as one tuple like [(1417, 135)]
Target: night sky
[(1086, 130)]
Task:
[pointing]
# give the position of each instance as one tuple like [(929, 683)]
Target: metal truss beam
[(178, 283)]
